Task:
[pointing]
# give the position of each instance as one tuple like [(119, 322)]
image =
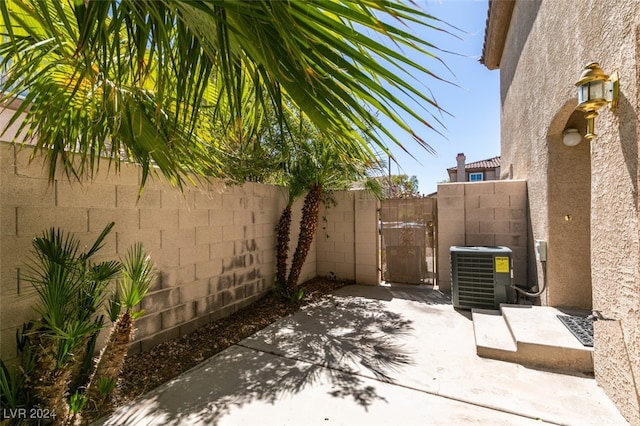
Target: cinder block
[(22, 191), (208, 234), (450, 189), (186, 274), (38, 168), (512, 214), (345, 272), (17, 310), (8, 349), (208, 200), (191, 326), (150, 239), (243, 217), (471, 202), (518, 200), (163, 336), (480, 215), (127, 174), (107, 252), (148, 325), (172, 198), (264, 216), (369, 239), (212, 303), (366, 249), (234, 232), (194, 254), (472, 227), (128, 196), (8, 221), (176, 315), (269, 229), (169, 277), (446, 204), (208, 269), (158, 218), (451, 226), (178, 237), (232, 202), (89, 196), (510, 240), (126, 220), (168, 257), (134, 348), (519, 228), (221, 250), (220, 218), (194, 290), (490, 227), (481, 239), (510, 186), (193, 218), (160, 300), (445, 241), (32, 220), (7, 158), (494, 201), (479, 188), (242, 190)]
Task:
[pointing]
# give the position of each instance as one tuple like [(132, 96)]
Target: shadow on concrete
[(353, 337), (416, 293)]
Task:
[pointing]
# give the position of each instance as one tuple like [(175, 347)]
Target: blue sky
[(475, 105)]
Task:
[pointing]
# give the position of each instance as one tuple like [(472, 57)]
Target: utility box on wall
[(481, 277)]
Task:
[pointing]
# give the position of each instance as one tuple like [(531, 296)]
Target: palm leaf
[(141, 80)]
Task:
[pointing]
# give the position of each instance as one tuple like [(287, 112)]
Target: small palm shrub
[(56, 367), (70, 289), (136, 279)]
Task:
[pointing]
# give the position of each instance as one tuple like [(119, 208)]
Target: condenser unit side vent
[(480, 276)]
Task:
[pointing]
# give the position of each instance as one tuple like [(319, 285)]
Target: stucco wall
[(214, 247), (549, 43), (489, 213)]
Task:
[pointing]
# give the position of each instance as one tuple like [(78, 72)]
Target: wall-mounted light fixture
[(595, 90), (571, 137)]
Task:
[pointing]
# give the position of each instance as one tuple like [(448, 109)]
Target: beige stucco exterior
[(583, 200)]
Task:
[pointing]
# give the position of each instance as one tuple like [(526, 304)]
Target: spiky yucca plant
[(137, 277)]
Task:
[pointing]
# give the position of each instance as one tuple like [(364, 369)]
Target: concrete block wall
[(489, 213), (213, 247), (347, 238)]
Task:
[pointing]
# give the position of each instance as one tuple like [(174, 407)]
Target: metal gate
[(408, 230)]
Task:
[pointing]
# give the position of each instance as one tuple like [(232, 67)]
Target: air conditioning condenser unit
[(481, 276)]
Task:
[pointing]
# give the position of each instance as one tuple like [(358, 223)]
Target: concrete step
[(530, 335)]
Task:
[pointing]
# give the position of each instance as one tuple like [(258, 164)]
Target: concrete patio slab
[(369, 355)]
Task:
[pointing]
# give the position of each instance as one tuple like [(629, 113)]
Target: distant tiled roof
[(489, 163)]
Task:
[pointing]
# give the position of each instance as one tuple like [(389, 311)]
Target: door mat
[(580, 327)]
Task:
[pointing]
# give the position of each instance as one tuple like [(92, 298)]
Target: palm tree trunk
[(111, 359), (282, 246), (308, 226), (50, 382)]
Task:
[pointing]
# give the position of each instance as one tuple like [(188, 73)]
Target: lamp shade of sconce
[(595, 90), (571, 137)]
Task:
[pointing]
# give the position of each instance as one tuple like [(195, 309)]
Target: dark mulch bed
[(146, 371)]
